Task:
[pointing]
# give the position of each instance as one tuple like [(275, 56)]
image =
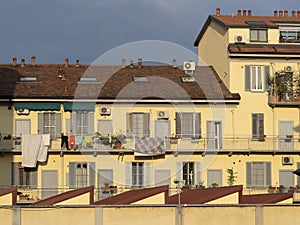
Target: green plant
[(119, 137), (231, 176), (214, 185), (200, 185)]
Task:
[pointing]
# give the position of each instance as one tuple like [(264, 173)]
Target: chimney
[(174, 63), (14, 63), (22, 62), (123, 63), (275, 13), (249, 13), (280, 13), (33, 61), (244, 12), (66, 62), (286, 13), (218, 11), (77, 63), (140, 64), (131, 64), (239, 12), (298, 13), (293, 13)]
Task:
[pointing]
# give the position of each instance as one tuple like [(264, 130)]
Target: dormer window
[(258, 31), (289, 34)]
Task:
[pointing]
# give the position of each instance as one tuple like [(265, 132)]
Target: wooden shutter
[(33, 178), (92, 173), (197, 125), (15, 173), (128, 174), (147, 174), (210, 134), (260, 124), (178, 124), (129, 123), (179, 171), (58, 125), (73, 123), (267, 78), (40, 123), (268, 174), (298, 177), (72, 174), (247, 78), (146, 122), (198, 173), (248, 174), (90, 123)]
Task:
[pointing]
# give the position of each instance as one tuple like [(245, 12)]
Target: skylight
[(140, 79), (28, 79), (256, 23), (88, 79), (188, 79)]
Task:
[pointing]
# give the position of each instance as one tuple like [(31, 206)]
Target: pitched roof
[(54, 82), (274, 49), (67, 195), (10, 190), (201, 196), (265, 198), (240, 21), (132, 196)]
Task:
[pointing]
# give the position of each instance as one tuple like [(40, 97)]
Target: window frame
[(132, 122), (258, 31), (266, 176), (138, 174), (258, 125), (190, 168), (181, 123)]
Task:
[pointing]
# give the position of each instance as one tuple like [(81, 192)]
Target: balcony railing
[(228, 143)]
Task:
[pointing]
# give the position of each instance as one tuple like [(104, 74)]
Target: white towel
[(45, 142), (30, 149)]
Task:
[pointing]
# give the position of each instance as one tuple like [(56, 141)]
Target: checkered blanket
[(153, 146)]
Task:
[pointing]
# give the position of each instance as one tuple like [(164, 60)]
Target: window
[(289, 34), (82, 123), (81, 174), (49, 123), (138, 124), (257, 78), (188, 125), (24, 177), (138, 174), (188, 174), (257, 125), (258, 174), (258, 35)]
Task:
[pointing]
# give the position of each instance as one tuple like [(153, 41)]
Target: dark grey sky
[(85, 29)]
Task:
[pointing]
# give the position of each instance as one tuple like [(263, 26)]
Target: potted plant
[(231, 176), (119, 138), (174, 139), (104, 139)]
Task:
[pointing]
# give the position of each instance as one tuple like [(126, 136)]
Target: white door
[(49, 183), (22, 127), (214, 135), (286, 128)]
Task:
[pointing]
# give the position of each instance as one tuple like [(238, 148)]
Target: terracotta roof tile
[(164, 82), (13, 191), (265, 198), (132, 196)]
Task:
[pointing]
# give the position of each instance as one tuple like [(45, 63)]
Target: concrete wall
[(167, 215)]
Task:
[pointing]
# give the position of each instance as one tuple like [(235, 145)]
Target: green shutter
[(15, 173), (248, 174), (40, 123), (91, 123), (268, 174), (197, 125), (129, 124), (247, 79), (146, 123), (261, 124), (267, 78), (254, 126), (92, 173), (178, 124), (72, 174), (58, 125)]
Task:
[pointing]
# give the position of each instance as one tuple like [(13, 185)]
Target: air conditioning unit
[(104, 110), (240, 39), (287, 160), (289, 69), (23, 111), (162, 114), (189, 67)]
